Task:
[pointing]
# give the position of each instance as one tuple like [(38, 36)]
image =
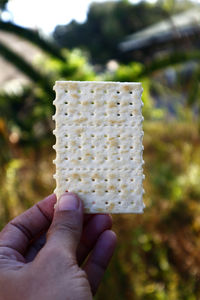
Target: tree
[(3, 4), (106, 25)]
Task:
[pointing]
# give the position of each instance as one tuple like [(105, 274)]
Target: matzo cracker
[(99, 144)]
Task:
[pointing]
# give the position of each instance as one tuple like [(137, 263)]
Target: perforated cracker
[(99, 144)]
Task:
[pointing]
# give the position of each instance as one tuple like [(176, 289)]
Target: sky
[(46, 14)]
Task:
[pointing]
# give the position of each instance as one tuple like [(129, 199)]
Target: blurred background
[(155, 42)]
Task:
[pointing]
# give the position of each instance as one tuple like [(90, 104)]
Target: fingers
[(20, 231), (99, 258), (92, 230), (35, 247), (66, 228)]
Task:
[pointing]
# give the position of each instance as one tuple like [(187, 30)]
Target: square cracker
[(99, 144)]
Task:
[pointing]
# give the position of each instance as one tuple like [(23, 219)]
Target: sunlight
[(45, 15)]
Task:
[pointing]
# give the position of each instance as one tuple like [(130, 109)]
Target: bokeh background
[(155, 42)]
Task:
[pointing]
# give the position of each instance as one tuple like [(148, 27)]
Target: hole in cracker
[(79, 146), (132, 179), (66, 102), (66, 114), (105, 92), (118, 92), (93, 191), (79, 158), (92, 114), (93, 158), (105, 147), (66, 158), (118, 115), (92, 91), (106, 203), (118, 147), (66, 179), (119, 179), (92, 102), (93, 179), (119, 191), (119, 202), (131, 147), (119, 158), (105, 135), (106, 191), (105, 114), (130, 103), (130, 92), (131, 115), (79, 91), (118, 135), (105, 179), (79, 179), (92, 146), (105, 158), (118, 103), (66, 91)]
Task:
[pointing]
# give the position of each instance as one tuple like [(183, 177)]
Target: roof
[(10, 75), (176, 26)]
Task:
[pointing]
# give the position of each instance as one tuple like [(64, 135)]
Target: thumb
[(66, 228)]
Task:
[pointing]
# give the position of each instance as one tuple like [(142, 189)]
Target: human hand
[(55, 255)]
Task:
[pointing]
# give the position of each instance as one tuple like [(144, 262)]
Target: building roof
[(175, 27), (10, 75)]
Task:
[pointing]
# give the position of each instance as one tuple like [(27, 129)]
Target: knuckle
[(63, 228), (63, 223)]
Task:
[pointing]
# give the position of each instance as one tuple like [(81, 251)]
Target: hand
[(55, 255)]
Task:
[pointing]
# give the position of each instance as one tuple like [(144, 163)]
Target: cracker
[(99, 144)]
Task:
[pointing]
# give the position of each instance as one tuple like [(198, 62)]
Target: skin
[(60, 253)]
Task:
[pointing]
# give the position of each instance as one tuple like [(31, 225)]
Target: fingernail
[(68, 202)]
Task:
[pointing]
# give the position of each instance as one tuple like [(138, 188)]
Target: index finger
[(18, 233)]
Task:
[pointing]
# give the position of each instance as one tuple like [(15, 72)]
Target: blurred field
[(158, 252)]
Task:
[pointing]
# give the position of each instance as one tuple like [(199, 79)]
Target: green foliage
[(175, 6), (28, 112), (75, 67)]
